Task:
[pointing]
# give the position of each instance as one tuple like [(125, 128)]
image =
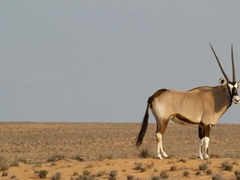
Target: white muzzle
[(236, 99)]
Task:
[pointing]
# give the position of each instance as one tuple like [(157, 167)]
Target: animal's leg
[(206, 140), (201, 139), (159, 133), (159, 142)]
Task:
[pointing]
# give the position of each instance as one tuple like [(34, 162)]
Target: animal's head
[(233, 85)]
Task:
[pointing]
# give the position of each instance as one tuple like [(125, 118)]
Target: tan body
[(202, 105)]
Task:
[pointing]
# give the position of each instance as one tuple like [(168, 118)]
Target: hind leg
[(206, 141), (159, 133)]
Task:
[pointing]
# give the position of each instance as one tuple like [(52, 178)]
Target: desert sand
[(96, 150)]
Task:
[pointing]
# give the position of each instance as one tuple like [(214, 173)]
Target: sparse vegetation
[(203, 166), (237, 174), (198, 173), (130, 177), (78, 157), (138, 166), (173, 168), (43, 174), (86, 172), (102, 157), (85, 177), (164, 174), (5, 173), (183, 160), (209, 172), (89, 165), (150, 166), (144, 153), (227, 166), (100, 173), (113, 175), (3, 164), (235, 163), (155, 178), (143, 169), (13, 177), (215, 156), (38, 164), (14, 163), (22, 159), (218, 177), (75, 173), (186, 173), (56, 176), (38, 144), (55, 157)]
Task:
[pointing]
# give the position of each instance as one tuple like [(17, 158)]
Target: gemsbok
[(202, 105)]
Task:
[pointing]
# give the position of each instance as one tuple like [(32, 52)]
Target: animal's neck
[(222, 101)]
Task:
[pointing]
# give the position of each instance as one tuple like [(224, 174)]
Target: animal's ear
[(222, 81), (238, 83)]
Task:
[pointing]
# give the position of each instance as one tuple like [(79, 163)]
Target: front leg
[(203, 133), (201, 139), (206, 140)]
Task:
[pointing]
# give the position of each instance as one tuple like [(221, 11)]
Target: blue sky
[(99, 61)]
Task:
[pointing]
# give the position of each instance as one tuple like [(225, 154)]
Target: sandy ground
[(28, 148)]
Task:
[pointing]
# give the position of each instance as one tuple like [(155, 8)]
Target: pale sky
[(99, 61)]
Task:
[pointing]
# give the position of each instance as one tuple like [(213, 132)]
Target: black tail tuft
[(143, 129)]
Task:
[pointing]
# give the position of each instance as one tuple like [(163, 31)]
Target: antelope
[(202, 105)]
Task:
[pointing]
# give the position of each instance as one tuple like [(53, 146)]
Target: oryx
[(202, 105)]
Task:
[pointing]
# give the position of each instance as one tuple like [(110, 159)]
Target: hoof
[(206, 156), (165, 155), (159, 157), (201, 157)]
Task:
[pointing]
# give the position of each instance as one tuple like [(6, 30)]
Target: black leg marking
[(157, 130), (201, 131), (207, 130)]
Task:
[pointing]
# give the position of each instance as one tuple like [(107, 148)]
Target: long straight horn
[(225, 75), (233, 66)]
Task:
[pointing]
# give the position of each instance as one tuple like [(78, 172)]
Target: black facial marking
[(230, 92), (234, 91)]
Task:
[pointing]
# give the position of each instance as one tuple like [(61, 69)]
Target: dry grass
[(97, 149)]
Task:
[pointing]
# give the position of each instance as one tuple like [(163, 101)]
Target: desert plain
[(107, 151)]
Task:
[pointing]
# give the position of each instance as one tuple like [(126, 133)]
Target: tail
[(144, 127)]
